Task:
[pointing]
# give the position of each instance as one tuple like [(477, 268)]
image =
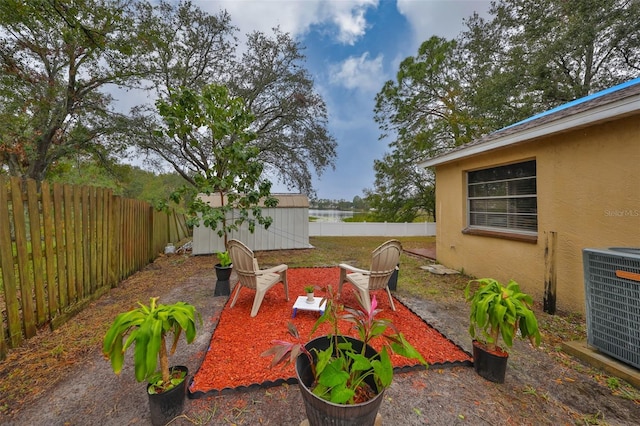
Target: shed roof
[(616, 102), (284, 200)]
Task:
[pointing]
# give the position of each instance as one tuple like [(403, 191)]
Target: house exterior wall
[(588, 189)]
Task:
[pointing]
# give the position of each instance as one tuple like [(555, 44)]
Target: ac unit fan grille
[(613, 302)]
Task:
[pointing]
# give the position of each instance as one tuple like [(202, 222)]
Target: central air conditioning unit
[(612, 291)]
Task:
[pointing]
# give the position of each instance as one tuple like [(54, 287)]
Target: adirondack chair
[(252, 277), (384, 260)]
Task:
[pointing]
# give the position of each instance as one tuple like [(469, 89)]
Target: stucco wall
[(588, 185)]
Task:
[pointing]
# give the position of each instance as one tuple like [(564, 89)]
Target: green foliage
[(340, 370), (193, 49), (125, 180), (56, 58), (309, 289), (529, 56), (146, 328), (213, 123), (560, 51), (498, 311), (426, 108), (361, 217), (224, 258), (158, 385)]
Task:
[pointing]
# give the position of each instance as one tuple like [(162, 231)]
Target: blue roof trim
[(578, 101)]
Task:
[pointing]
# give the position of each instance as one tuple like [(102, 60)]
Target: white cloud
[(359, 73), (439, 17), (349, 17), (292, 17), (295, 16)]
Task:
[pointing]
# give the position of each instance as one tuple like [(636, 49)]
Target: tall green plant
[(146, 328), (215, 128), (498, 311)]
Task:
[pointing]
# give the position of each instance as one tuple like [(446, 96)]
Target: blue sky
[(352, 48)]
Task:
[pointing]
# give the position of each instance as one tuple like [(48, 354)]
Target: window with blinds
[(504, 198)]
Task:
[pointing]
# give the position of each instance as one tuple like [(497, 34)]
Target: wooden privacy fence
[(62, 246)]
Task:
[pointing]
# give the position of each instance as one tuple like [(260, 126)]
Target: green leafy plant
[(498, 311), (146, 327), (309, 289), (340, 371), (224, 258)]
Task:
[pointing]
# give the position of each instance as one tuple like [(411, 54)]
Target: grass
[(356, 251)]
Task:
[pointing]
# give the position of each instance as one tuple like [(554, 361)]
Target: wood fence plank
[(89, 238), (115, 241), (123, 236), (173, 227), (78, 244), (36, 251), (70, 243), (135, 230), (105, 243), (184, 229), (25, 290), (61, 252), (88, 285), (151, 242), (124, 239), (108, 243), (96, 258), (131, 241), (12, 306), (50, 266)]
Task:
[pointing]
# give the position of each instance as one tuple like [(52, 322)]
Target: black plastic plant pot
[(393, 279), (168, 405), (223, 273), (489, 365), (321, 412)]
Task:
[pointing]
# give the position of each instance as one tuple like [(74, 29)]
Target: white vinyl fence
[(291, 228), (371, 229)]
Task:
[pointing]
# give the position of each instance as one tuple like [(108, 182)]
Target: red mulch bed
[(233, 361)]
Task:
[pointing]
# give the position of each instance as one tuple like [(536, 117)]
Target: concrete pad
[(595, 358), (439, 270)]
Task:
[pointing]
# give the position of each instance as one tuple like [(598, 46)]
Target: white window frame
[(509, 220)]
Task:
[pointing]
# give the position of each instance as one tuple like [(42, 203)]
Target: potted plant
[(498, 311), (146, 327), (342, 378), (309, 290), (223, 273), (224, 265)]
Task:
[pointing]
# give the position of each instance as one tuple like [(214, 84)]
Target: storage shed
[(289, 229)]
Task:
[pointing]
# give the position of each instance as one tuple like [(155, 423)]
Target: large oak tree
[(61, 58), (192, 49), (57, 57)]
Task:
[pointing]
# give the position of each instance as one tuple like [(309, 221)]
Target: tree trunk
[(164, 360)]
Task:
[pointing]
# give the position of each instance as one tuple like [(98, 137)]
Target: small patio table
[(302, 304)]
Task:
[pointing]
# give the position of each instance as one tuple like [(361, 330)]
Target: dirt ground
[(541, 388)]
